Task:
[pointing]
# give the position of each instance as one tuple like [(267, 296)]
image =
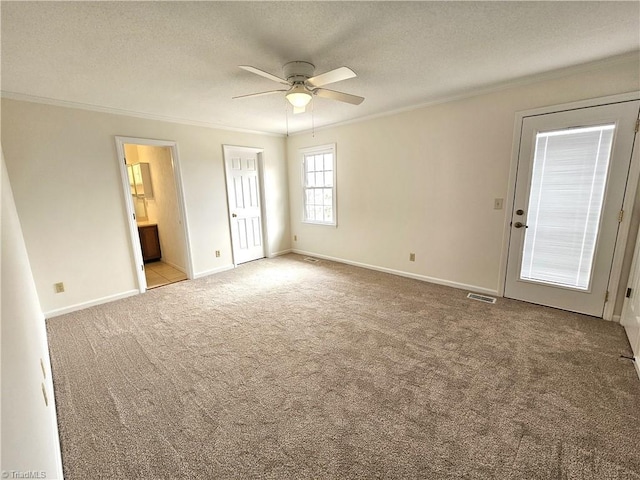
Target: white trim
[(632, 181), (213, 271), (317, 148), (133, 227), (134, 239), (493, 88), (129, 113), (588, 103), (615, 318), (91, 303), (468, 93), (281, 252), (623, 229), (303, 152), (263, 203), (400, 273), (263, 208), (182, 206), (242, 147), (52, 404)]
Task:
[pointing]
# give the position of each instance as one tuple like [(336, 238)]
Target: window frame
[(304, 153)]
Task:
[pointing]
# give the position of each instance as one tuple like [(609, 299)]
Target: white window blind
[(565, 204)]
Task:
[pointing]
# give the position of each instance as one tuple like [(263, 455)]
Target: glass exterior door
[(572, 173)]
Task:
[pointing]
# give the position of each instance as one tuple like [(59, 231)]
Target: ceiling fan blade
[(337, 75), (259, 94), (340, 96), (264, 74)]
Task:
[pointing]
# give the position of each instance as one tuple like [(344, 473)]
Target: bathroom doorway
[(154, 199)]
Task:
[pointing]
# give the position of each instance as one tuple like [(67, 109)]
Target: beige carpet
[(284, 369)]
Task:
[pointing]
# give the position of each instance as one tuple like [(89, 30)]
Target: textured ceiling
[(179, 60)]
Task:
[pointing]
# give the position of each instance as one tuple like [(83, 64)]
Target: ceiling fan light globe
[(299, 99), (298, 96)]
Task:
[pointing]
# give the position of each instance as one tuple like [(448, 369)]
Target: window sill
[(311, 222)]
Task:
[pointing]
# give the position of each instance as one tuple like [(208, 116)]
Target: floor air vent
[(481, 298), (311, 260)]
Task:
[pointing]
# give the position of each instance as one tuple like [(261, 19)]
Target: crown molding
[(629, 57), (128, 113)]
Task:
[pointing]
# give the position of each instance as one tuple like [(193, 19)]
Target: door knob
[(519, 225), (234, 215)]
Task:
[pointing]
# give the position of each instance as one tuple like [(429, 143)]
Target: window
[(319, 184), (565, 204)]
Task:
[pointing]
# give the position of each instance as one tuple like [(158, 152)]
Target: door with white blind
[(630, 318), (244, 196), (570, 185)]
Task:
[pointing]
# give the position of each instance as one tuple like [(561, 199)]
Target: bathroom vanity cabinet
[(150, 242)]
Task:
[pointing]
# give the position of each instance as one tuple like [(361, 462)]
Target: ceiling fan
[(302, 84)]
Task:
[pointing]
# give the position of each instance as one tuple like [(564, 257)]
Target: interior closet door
[(243, 191)]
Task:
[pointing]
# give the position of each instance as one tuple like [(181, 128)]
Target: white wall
[(29, 428), (68, 193), (421, 181), (424, 181)]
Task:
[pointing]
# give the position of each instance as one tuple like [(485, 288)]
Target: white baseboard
[(55, 444), (635, 364), (206, 273), (281, 252), (82, 306), (615, 318), (415, 276)]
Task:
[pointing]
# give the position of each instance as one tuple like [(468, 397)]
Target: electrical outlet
[(497, 203), (295, 238), (412, 257), (59, 287), (217, 253)]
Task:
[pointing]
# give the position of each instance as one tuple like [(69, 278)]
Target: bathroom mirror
[(141, 188)]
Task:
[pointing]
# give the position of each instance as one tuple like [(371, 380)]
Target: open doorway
[(154, 198)]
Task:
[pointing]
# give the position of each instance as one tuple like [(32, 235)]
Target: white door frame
[(136, 248), (629, 195), (631, 325), (263, 213)]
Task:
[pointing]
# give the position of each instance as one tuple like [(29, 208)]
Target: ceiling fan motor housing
[(298, 72)]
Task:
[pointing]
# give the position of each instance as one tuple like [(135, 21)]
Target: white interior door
[(570, 184), (630, 318), (243, 190)]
